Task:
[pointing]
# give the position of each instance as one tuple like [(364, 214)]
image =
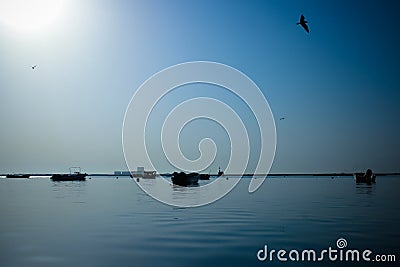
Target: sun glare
[(30, 15)]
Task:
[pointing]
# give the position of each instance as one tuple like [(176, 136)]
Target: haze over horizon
[(337, 87)]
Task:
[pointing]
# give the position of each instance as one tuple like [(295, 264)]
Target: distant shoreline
[(233, 174)]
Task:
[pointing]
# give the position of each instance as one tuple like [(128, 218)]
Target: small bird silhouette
[(33, 67), (303, 23), (282, 118)]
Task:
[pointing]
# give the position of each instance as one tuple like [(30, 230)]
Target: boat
[(18, 176), (149, 174), (145, 175), (184, 179), (141, 173), (204, 176), (72, 176), (220, 173), (361, 178), (367, 177)]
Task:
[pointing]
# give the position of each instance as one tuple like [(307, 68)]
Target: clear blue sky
[(337, 87)]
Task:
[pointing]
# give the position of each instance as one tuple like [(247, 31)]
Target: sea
[(105, 221)]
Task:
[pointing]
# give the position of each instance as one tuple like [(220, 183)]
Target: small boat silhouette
[(204, 176), (18, 176), (184, 179), (220, 173), (72, 176), (368, 177)]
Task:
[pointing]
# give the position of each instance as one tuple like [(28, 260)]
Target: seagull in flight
[(33, 67), (303, 23)]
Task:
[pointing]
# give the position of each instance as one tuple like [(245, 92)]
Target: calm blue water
[(111, 222)]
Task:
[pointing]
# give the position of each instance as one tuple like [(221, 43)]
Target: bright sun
[(30, 15)]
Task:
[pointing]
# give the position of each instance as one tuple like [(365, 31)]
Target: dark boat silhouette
[(368, 177), (72, 176), (184, 179), (204, 176), (220, 173), (18, 176)]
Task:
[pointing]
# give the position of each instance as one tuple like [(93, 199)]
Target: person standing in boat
[(368, 176)]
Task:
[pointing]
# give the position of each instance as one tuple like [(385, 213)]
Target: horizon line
[(234, 174)]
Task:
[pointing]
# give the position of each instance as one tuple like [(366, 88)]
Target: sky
[(337, 87)]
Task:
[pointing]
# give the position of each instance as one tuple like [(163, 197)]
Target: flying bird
[(282, 118), (303, 22), (33, 67)]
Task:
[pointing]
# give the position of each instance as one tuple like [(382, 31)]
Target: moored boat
[(204, 176), (18, 176), (149, 174), (367, 177), (72, 176), (184, 179), (141, 173), (220, 173)]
